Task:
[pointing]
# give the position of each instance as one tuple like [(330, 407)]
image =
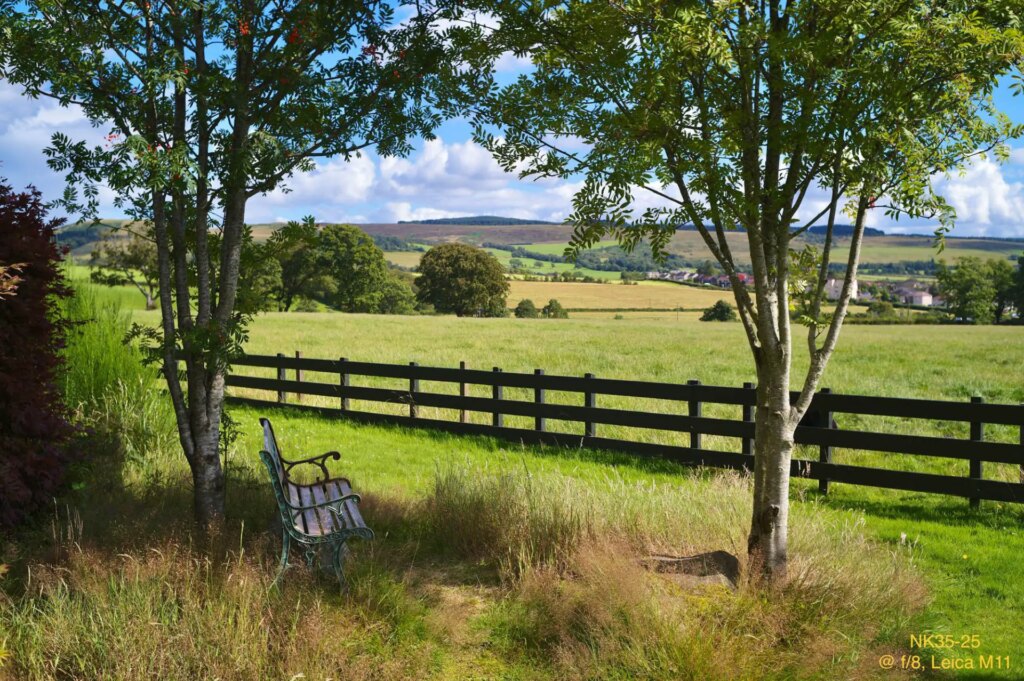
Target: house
[(834, 289), (919, 298)]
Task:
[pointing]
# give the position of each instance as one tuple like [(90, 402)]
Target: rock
[(715, 567)]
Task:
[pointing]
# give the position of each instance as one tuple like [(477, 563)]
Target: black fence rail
[(818, 427)]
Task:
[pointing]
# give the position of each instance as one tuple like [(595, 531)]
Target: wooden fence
[(818, 427)]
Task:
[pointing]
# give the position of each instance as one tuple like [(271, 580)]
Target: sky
[(453, 177)]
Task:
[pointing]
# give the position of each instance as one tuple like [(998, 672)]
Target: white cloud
[(510, 63), (333, 182), (984, 199)]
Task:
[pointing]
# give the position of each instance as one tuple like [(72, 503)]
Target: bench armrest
[(335, 505), (320, 461)]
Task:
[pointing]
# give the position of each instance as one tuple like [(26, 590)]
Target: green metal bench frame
[(323, 514)]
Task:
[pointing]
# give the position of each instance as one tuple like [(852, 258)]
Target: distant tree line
[(482, 220), (520, 252), (395, 243), (906, 267)]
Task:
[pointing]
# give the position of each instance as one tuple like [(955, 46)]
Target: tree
[(526, 310), (707, 268), (1002, 276), (119, 260), (731, 114), (208, 104), (464, 280), (881, 309), (357, 267), (34, 431), (303, 274), (259, 275), (721, 311), (968, 290), (397, 296), (554, 310)]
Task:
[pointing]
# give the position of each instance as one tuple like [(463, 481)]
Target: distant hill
[(85, 234), (844, 230), (477, 220), (838, 230)]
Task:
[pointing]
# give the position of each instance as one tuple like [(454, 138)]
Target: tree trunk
[(208, 480), (150, 301), (773, 449)]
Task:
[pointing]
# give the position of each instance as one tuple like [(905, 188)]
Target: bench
[(318, 515)]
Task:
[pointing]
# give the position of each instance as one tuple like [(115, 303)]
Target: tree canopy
[(464, 280), (975, 290), (303, 275), (721, 311)]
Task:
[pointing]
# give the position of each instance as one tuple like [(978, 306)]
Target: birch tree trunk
[(773, 450)]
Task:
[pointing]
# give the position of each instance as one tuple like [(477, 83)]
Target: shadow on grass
[(110, 518), (933, 508), (648, 465)]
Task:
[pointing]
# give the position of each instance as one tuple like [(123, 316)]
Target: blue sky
[(451, 176)]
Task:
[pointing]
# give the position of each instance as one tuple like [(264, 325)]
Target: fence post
[(748, 416), (497, 418), (282, 396), (825, 451), (977, 435), (462, 392), (590, 401), (298, 377), (694, 410), (414, 387), (344, 383), (540, 423)]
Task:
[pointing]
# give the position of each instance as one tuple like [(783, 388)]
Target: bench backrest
[(273, 458)]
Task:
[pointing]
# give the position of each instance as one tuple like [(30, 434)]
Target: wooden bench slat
[(354, 518), (327, 523), (312, 516)]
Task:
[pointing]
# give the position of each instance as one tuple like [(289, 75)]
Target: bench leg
[(340, 552), (286, 543)]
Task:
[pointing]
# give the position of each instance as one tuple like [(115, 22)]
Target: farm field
[(541, 267), (645, 294), (876, 249)]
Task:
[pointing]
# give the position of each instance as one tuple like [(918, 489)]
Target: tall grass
[(580, 601), (490, 574), (105, 382)]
